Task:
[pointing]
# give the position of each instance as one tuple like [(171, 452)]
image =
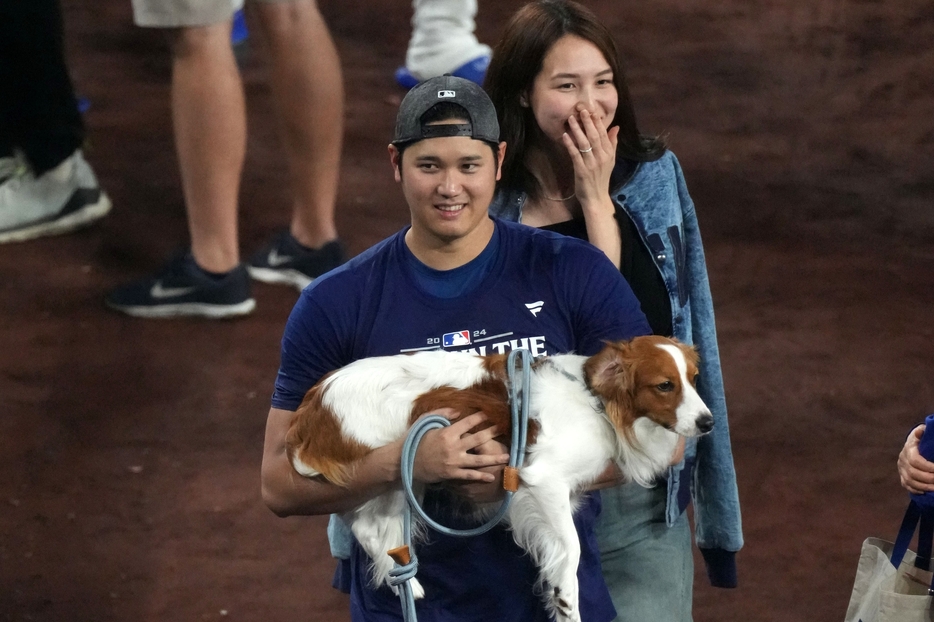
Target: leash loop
[(519, 409)]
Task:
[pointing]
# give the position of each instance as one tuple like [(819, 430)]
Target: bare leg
[(306, 79), (209, 119)]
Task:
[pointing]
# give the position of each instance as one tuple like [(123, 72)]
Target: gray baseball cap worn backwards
[(466, 94)]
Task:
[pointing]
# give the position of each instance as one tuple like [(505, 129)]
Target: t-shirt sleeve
[(312, 345), (608, 310)]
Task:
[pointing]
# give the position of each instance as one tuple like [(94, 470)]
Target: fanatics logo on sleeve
[(535, 307), (460, 338)]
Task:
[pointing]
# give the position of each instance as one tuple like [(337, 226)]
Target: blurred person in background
[(209, 120), (46, 186)]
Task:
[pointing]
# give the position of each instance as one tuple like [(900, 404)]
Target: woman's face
[(574, 76)]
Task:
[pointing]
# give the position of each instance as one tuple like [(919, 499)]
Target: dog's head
[(652, 377)]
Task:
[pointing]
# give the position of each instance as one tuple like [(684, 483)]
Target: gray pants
[(648, 566)]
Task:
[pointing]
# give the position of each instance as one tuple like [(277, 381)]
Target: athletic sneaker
[(287, 262), (474, 70), (182, 288), (8, 167), (58, 201)]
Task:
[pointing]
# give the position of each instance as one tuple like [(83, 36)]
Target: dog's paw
[(565, 611)]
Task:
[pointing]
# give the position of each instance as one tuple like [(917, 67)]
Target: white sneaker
[(8, 167), (58, 201)]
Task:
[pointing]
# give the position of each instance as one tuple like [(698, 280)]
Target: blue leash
[(406, 561)]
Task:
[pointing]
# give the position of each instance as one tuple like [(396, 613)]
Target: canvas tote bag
[(892, 583)]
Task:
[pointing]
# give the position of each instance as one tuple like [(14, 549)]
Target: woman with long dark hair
[(576, 163)]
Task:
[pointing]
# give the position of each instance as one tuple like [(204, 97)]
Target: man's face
[(448, 184)]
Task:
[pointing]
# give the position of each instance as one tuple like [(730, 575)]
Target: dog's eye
[(666, 386)]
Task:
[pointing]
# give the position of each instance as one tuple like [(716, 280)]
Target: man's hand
[(916, 473), (455, 453), (485, 491)]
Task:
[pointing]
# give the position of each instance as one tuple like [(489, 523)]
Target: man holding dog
[(454, 280)]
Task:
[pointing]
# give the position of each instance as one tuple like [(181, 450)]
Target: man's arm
[(442, 454)]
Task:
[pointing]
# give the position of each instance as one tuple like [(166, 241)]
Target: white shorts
[(180, 13)]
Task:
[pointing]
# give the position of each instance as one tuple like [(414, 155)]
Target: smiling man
[(454, 280)]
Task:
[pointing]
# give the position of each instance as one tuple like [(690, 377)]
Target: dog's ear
[(610, 376), (607, 371)]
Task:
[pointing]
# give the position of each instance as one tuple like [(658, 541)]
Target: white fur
[(373, 398), (691, 403)]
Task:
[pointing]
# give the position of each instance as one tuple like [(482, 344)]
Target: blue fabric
[(473, 70), (926, 448), (721, 567), (457, 282), (372, 306), (655, 196), (498, 596)]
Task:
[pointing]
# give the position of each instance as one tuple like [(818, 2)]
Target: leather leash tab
[(511, 479), (400, 555)]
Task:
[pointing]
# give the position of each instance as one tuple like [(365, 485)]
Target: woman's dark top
[(636, 265)]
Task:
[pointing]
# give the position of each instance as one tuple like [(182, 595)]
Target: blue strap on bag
[(907, 531)]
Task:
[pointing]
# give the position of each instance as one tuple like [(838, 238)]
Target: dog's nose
[(704, 423)]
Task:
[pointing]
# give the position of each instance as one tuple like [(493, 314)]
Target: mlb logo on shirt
[(460, 338)]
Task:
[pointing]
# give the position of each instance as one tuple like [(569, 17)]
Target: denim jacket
[(655, 197)]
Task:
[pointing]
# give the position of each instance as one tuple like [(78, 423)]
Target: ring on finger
[(587, 150)]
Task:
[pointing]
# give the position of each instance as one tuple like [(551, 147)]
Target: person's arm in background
[(915, 473)]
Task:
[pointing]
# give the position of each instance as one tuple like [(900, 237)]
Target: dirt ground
[(130, 450)]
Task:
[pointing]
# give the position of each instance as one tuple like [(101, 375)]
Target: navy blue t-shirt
[(542, 291)]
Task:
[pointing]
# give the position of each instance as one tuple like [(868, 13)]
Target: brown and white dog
[(628, 404)]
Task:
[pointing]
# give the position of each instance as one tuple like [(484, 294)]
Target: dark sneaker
[(58, 201), (184, 289), (287, 262)]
